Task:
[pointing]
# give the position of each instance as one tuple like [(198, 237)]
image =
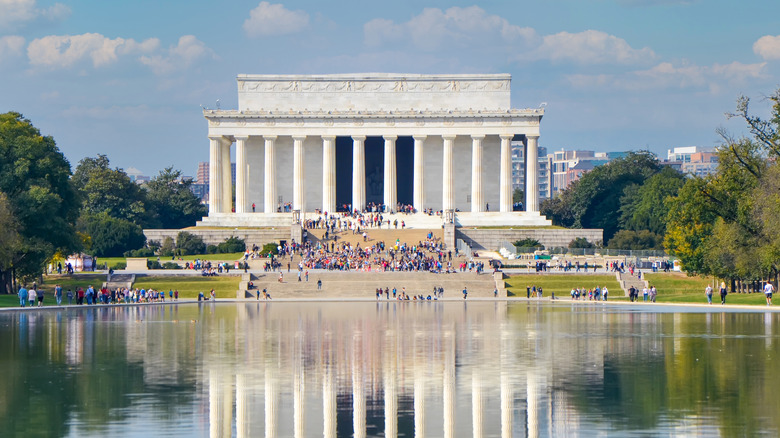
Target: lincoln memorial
[(310, 144)]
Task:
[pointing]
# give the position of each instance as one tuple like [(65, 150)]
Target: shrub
[(119, 265), (211, 249), (528, 243), (581, 242), (270, 248), (153, 264), (171, 265), (231, 244), (189, 244), (141, 252), (168, 247), (636, 240), (111, 237)]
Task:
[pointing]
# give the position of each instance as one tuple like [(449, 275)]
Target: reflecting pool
[(481, 369)]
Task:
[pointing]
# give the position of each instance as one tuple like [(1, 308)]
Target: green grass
[(227, 257), (678, 283), (562, 285), (189, 286)]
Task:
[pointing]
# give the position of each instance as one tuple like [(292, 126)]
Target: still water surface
[(389, 369)]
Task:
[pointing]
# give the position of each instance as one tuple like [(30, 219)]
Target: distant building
[(136, 175), (201, 185), (202, 177), (518, 169), (693, 160)]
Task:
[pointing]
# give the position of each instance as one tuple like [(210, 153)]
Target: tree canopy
[(41, 202)]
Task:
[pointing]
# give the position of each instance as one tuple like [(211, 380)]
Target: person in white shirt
[(768, 289), (604, 293), (708, 292), (644, 294)]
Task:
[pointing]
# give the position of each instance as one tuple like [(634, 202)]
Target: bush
[(142, 252), (636, 240), (581, 242), (153, 246), (528, 243), (171, 265), (189, 244), (153, 264), (168, 247), (269, 248), (111, 237), (211, 249), (119, 265), (231, 244)]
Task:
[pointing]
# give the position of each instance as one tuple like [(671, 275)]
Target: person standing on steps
[(319, 284), (465, 292), (495, 293)]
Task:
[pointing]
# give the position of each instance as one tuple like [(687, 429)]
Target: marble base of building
[(491, 239)]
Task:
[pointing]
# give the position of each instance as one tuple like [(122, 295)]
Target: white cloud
[(768, 47), (15, 13), (590, 47), (184, 54), (456, 27), (63, 51), (10, 46), (274, 19), (669, 76)]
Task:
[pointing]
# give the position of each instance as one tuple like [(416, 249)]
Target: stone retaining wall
[(490, 239), (258, 236)]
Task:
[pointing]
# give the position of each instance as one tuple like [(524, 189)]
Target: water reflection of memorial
[(391, 371)]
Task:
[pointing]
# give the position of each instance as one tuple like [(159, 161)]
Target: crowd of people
[(92, 296)]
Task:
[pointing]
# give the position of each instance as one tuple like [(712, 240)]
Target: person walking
[(605, 293), (465, 292), (319, 284), (495, 292), (32, 294), (40, 297), (708, 293), (723, 293), (23, 293), (768, 289), (58, 294), (69, 295)]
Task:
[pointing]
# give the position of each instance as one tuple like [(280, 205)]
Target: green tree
[(171, 202), (188, 243), (112, 237), (110, 191), (231, 244), (642, 206), (558, 210), (518, 196), (34, 176), (581, 242), (630, 239)]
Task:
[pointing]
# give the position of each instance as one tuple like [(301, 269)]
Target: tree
[(581, 242), (630, 239), (171, 202), (34, 176), (231, 244), (112, 237), (110, 191), (558, 210), (528, 242), (642, 206), (188, 243)]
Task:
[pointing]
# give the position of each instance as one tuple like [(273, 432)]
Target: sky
[(127, 78)]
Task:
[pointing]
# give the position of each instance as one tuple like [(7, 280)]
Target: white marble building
[(325, 142)]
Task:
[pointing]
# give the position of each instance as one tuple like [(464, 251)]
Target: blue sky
[(127, 79)]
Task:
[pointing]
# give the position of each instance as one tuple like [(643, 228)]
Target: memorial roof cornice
[(406, 114)]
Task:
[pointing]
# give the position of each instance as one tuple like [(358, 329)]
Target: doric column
[(448, 190), (419, 172), (299, 178), (215, 175), (532, 173), (505, 183), (477, 197), (358, 172), (390, 173), (227, 177), (242, 176), (329, 174), (269, 184)]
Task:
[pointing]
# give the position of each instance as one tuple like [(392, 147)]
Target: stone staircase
[(119, 281), (627, 280), (340, 284), (374, 235)]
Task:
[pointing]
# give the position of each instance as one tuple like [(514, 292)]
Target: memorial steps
[(363, 285)]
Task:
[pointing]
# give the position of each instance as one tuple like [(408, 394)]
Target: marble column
[(505, 183), (477, 197), (299, 177), (329, 174), (269, 185), (227, 178), (419, 172), (390, 199), (532, 173), (358, 172), (242, 175), (215, 175), (448, 189)]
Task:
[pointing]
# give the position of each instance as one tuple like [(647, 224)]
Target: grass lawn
[(562, 285), (679, 283), (189, 286), (227, 257)]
